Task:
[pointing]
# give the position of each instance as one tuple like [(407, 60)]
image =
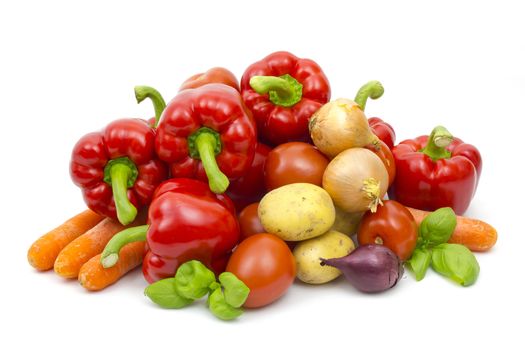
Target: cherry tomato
[(249, 221), (266, 265), (294, 162), (387, 158), (391, 225), (250, 187), (383, 130)]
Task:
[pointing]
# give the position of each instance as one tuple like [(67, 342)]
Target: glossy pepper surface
[(186, 221), (213, 75), (250, 188), (384, 131), (117, 168), (436, 171), (283, 91), (206, 133)]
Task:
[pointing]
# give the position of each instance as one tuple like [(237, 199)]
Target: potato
[(297, 211), (332, 244), (346, 223)]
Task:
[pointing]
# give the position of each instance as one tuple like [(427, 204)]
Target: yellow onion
[(342, 124), (356, 179), (339, 125)]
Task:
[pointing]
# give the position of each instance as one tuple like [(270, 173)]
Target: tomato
[(266, 265), (391, 225), (249, 221), (294, 162), (387, 158)]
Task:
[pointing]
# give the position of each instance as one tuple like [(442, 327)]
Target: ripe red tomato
[(249, 221), (294, 162), (391, 225), (386, 156), (266, 265)]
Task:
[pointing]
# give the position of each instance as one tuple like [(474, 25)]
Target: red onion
[(370, 268)]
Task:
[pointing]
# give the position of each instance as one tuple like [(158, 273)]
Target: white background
[(69, 68)]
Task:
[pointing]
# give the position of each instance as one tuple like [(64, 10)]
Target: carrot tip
[(109, 261)]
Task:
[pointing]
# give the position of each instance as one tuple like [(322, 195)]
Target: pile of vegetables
[(236, 191)]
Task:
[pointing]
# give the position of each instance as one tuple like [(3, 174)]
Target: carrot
[(86, 246), (93, 276), (476, 235), (43, 251)]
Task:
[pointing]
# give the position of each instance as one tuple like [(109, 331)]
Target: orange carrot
[(43, 251), (474, 234), (93, 276), (86, 246)]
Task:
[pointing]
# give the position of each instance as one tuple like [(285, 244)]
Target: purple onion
[(371, 268)]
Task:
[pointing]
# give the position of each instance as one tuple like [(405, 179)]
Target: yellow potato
[(297, 211), (345, 222), (330, 245)]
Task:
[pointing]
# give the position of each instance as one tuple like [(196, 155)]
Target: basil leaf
[(193, 279), (220, 308), (438, 226), (235, 291), (419, 262), (457, 262), (164, 294)]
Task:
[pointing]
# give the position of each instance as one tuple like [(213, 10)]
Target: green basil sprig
[(437, 227), (454, 261), (194, 280)]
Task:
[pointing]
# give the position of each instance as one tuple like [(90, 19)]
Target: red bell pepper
[(283, 91), (436, 171), (384, 131), (206, 133), (214, 75), (186, 221), (250, 188), (117, 168)]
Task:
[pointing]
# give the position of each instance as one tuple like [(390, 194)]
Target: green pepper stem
[(142, 92), (282, 91), (373, 89), (264, 84), (110, 255), (120, 174), (437, 143), (206, 143)]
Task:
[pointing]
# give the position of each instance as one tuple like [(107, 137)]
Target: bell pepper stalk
[(283, 91), (206, 133), (205, 144), (384, 131), (439, 139), (173, 236), (436, 171), (116, 168), (373, 89), (121, 174), (143, 92)]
